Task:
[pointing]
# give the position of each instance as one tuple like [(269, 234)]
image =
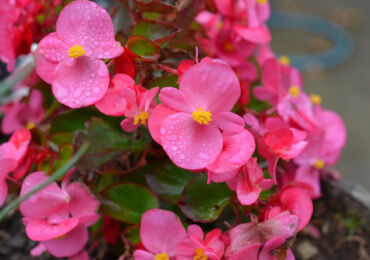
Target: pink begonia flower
[(19, 115), (70, 58), (249, 183), (12, 157), (323, 149), (161, 233), (189, 121), (124, 97), (278, 81), (58, 217), (249, 237), (295, 200), (276, 139), (199, 247)]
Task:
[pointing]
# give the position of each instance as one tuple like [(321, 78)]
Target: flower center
[(315, 99), (60, 237), (30, 125), (284, 60), (141, 118), (201, 116), (199, 254), (228, 46), (319, 164), (76, 51), (294, 91), (262, 2), (162, 256)]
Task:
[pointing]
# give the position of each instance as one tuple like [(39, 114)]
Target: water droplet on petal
[(163, 131), (203, 156)]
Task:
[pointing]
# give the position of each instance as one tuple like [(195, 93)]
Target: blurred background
[(344, 88)]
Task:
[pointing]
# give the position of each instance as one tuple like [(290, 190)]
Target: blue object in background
[(342, 40)]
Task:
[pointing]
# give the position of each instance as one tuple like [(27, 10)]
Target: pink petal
[(229, 122), (88, 24), (117, 96), (161, 231), (12, 118), (83, 255), (248, 252), (38, 250), (3, 191), (45, 68), (41, 230), (259, 34), (188, 144), (236, 151), (52, 48), (43, 203), (299, 203), (211, 85), (8, 159), (22, 168), (270, 245), (82, 202), (21, 138), (271, 74), (223, 176), (310, 178), (156, 118), (128, 125), (241, 236), (284, 225), (195, 234), (143, 255), (70, 244), (81, 83), (148, 99), (175, 99)]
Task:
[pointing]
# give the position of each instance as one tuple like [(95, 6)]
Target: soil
[(342, 218)]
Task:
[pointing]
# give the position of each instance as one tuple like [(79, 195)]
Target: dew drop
[(203, 156), (163, 131)]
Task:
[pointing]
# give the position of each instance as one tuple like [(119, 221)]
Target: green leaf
[(106, 142), (127, 202), (144, 48), (168, 182), (62, 138), (204, 202), (72, 121), (132, 234), (157, 32), (165, 81), (65, 153), (154, 6)]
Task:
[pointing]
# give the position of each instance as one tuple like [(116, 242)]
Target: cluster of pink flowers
[(164, 237), (203, 125)]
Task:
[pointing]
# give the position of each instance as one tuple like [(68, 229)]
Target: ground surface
[(345, 89)]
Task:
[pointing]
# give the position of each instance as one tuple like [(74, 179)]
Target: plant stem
[(55, 176)]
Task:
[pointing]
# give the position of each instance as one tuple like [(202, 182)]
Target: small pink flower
[(249, 183), (161, 233), (12, 158), (19, 115), (70, 58), (292, 199), (199, 247), (189, 121), (58, 217), (276, 139)]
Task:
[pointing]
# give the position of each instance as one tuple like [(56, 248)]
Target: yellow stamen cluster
[(284, 60), (219, 25), (76, 51), (30, 125), (162, 256), (294, 91), (262, 2), (141, 118), (60, 237), (228, 46), (199, 254), (319, 164), (201, 116), (316, 99)]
